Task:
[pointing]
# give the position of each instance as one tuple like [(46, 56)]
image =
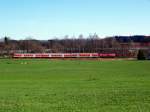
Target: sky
[(46, 19)]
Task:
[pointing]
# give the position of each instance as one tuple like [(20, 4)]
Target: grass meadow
[(74, 86)]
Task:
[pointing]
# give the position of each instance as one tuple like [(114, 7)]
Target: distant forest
[(93, 43)]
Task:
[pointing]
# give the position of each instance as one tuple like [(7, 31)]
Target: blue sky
[(44, 19)]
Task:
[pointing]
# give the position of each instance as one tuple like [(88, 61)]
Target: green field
[(74, 86)]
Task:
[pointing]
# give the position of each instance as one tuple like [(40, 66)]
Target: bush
[(141, 55)]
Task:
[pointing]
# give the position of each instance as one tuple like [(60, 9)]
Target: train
[(64, 55)]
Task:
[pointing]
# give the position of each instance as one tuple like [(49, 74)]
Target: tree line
[(80, 44)]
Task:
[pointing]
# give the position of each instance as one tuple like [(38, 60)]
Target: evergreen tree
[(141, 55)]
